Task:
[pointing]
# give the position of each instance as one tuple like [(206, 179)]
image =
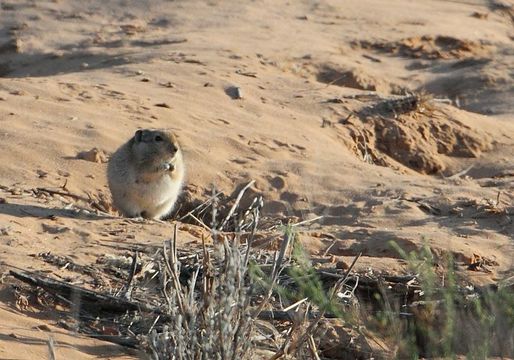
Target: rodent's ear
[(138, 136)]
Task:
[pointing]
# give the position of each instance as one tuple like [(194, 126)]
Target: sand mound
[(355, 79), (429, 47), (407, 131), (478, 85), (472, 73)]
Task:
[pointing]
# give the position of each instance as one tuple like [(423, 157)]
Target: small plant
[(216, 315), (451, 318), (213, 323)]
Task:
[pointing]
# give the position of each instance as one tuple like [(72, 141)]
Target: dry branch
[(236, 204), (93, 298)]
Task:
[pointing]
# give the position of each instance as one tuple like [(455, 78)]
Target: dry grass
[(230, 300), (210, 316)]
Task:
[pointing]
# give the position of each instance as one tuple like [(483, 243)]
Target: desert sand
[(313, 128)]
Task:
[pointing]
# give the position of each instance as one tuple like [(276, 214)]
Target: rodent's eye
[(158, 138)]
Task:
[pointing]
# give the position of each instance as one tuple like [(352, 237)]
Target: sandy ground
[(310, 128)]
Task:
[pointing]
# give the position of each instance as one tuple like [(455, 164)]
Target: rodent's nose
[(172, 148)]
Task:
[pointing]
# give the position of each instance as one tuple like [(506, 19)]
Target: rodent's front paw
[(168, 166)]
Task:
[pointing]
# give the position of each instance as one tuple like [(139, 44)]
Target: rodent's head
[(155, 150)]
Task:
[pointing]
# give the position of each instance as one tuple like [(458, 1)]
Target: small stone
[(278, 182), (93, 155), (238, 93), (167, 84), (480, 15), (84, 65), (51, 229), (342, 265), (42, 174), (43, 327), (164, 105), (234, 92), (63, 173), (132, 29)]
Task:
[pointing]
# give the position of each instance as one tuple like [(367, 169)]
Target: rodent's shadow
[(19, 210)]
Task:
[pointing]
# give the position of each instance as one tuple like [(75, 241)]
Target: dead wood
[(87, 297)]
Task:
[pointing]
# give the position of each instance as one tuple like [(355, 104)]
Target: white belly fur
[(156, 198), (157, 193)]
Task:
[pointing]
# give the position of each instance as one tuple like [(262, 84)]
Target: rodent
[(146, 174)]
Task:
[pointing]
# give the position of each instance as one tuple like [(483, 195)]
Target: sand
[(311, 129)]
